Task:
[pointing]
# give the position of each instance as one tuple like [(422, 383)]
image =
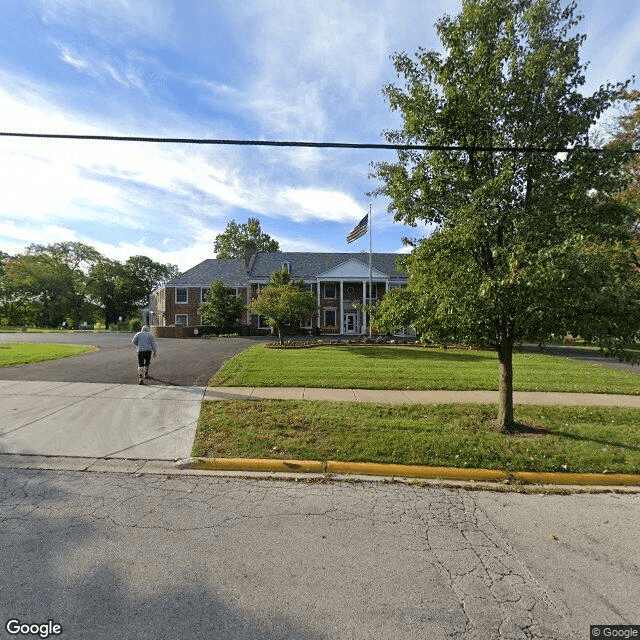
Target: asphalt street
[(182, 363), (591, 355), (125, 555)]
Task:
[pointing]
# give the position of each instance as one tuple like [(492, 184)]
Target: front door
[(350, 322)]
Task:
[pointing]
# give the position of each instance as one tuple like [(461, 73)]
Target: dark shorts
[(144, 358)]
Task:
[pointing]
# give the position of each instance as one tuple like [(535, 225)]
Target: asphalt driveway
[(180, 362), (91, 405)]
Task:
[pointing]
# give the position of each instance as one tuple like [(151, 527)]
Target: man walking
[(146, 343)]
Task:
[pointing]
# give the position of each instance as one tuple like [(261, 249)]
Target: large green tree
[(231, 243), (52, 281), (527, 243), (284, 303), (71, 281), (122, 289), (221, 307)]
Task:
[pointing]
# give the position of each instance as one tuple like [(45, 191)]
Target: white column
[(341, 322), (319, 310)]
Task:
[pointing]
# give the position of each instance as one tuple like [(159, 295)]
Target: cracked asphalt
[(125, 555)]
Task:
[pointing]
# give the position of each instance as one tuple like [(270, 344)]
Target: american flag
[(359, 230)]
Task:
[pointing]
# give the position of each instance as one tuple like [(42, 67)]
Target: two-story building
[(340, 282)]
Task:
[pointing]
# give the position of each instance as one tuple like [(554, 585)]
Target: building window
[(287, 266), (262, 323), (329, 317), (329, 289), (203, 293), (181, 296), (374, 291), (307, 323), (182, 319)]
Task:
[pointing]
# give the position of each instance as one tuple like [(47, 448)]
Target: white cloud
[(16, 236), (60, 177), (71, 57), (301, 244), (280, 69), (185, 257), (112, 20), (306, 59), (163, 197), (92, 63), (43, 185), (319, 204)]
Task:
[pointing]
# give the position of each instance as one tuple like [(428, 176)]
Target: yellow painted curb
[(415, 471), (408, 471)]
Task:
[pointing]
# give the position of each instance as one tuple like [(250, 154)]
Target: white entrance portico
[(344, 287)]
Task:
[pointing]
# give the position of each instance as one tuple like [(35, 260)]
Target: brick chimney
[(249, 252)]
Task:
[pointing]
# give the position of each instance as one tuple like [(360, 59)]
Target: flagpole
[(370, 273)]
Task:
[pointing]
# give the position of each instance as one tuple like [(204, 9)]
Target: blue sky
[(257, 69)]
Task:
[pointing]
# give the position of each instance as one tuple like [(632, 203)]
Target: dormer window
[(286, 265)]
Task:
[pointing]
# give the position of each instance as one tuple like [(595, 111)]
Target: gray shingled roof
[(309, 265), (301, 265), (231, 272)]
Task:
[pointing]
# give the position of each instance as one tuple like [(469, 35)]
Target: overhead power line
[(289, 143)]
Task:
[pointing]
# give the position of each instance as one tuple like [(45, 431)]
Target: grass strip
[(572, 439), (19, 353), (397, 367)]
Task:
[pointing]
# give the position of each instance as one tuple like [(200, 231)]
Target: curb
[(408, 471)]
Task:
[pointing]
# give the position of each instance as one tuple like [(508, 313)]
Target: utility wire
[(282, 143)]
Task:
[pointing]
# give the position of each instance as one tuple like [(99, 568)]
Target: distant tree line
[(72, 283)]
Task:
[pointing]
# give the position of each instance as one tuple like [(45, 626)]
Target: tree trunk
[(505, 406)]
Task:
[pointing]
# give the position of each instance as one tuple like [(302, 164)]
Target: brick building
[(338, 280)]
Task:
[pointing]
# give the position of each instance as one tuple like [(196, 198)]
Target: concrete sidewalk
[(153, 422), (419, 397), (158, 422)]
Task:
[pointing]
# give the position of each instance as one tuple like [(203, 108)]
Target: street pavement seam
[(187, 425), (99, 419), (43, 417)]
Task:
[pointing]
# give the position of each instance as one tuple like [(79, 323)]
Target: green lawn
[(19, 353), (556, 438), (398, 367), (13, 329)]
